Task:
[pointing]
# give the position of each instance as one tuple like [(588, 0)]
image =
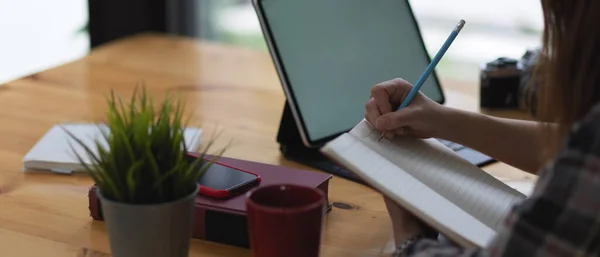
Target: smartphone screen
[(221, 177)]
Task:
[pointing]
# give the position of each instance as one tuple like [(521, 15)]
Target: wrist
[(447, 123), (402, 248), (403, 233), (411, 229), (403, 245)]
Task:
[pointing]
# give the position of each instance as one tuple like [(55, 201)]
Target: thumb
[(394, 120)]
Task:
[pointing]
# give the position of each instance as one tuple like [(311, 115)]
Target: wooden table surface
[(228, 88)]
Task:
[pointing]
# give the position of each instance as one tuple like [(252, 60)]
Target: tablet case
[(224, 221)]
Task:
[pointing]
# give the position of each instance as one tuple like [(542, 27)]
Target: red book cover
[(224, 220)]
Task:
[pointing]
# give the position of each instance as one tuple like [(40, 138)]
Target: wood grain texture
[(229, 89)]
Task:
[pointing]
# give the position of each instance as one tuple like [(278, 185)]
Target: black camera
[(508, 84)]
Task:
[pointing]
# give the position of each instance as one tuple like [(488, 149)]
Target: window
[(232, 21), (40, 34), (494, 29)]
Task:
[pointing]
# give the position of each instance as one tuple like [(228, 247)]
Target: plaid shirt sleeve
[(560, 218)]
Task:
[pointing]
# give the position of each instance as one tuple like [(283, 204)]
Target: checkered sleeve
[(560, 218)]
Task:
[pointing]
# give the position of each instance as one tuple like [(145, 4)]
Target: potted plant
[(144, 181)]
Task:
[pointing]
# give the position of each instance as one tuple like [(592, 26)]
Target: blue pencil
[(430, 68)]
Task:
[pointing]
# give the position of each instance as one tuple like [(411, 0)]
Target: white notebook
[(53, 151), (455, 197)]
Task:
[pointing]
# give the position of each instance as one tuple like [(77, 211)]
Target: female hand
[(422, 118)]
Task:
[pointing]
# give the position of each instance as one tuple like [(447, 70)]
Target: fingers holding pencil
[(423, 118), (385, 98), (415, 90)]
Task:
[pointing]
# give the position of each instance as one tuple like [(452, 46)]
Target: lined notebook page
[(409, 192), (464, 184)]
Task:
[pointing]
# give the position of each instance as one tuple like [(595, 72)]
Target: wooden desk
[(234, 89)]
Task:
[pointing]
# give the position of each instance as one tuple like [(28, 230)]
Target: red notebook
[(224, 221)]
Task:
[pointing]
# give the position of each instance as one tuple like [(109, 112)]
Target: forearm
[(515, 142)]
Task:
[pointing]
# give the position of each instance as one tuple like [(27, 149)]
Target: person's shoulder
[(591, 119), (559, 215), (584, 135), (578, 159)]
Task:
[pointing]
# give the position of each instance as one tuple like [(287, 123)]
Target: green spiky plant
[(143, 157)]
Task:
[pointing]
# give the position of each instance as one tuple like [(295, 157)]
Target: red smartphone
[(223, 181)]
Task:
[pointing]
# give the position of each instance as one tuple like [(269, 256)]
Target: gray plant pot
[(161, 230)]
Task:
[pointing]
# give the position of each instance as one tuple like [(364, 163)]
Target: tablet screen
[(331, 52)]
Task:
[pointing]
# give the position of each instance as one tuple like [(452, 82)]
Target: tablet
[(329, 53)]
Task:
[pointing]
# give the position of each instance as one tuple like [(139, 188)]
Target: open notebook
[(458, 199), (53, 151)]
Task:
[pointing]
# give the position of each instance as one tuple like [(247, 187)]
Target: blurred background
[(40, 34)]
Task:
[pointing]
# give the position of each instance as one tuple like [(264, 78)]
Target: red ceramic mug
[(285, 220)]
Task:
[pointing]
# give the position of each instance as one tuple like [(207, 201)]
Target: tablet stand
[(292, 148)]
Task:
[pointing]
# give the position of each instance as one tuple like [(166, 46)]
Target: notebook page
[(409, 192), (464, 184)]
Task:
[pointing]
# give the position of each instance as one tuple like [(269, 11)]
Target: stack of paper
[(53, 151)]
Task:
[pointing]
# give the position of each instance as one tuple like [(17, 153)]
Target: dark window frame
[(112, 20)]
